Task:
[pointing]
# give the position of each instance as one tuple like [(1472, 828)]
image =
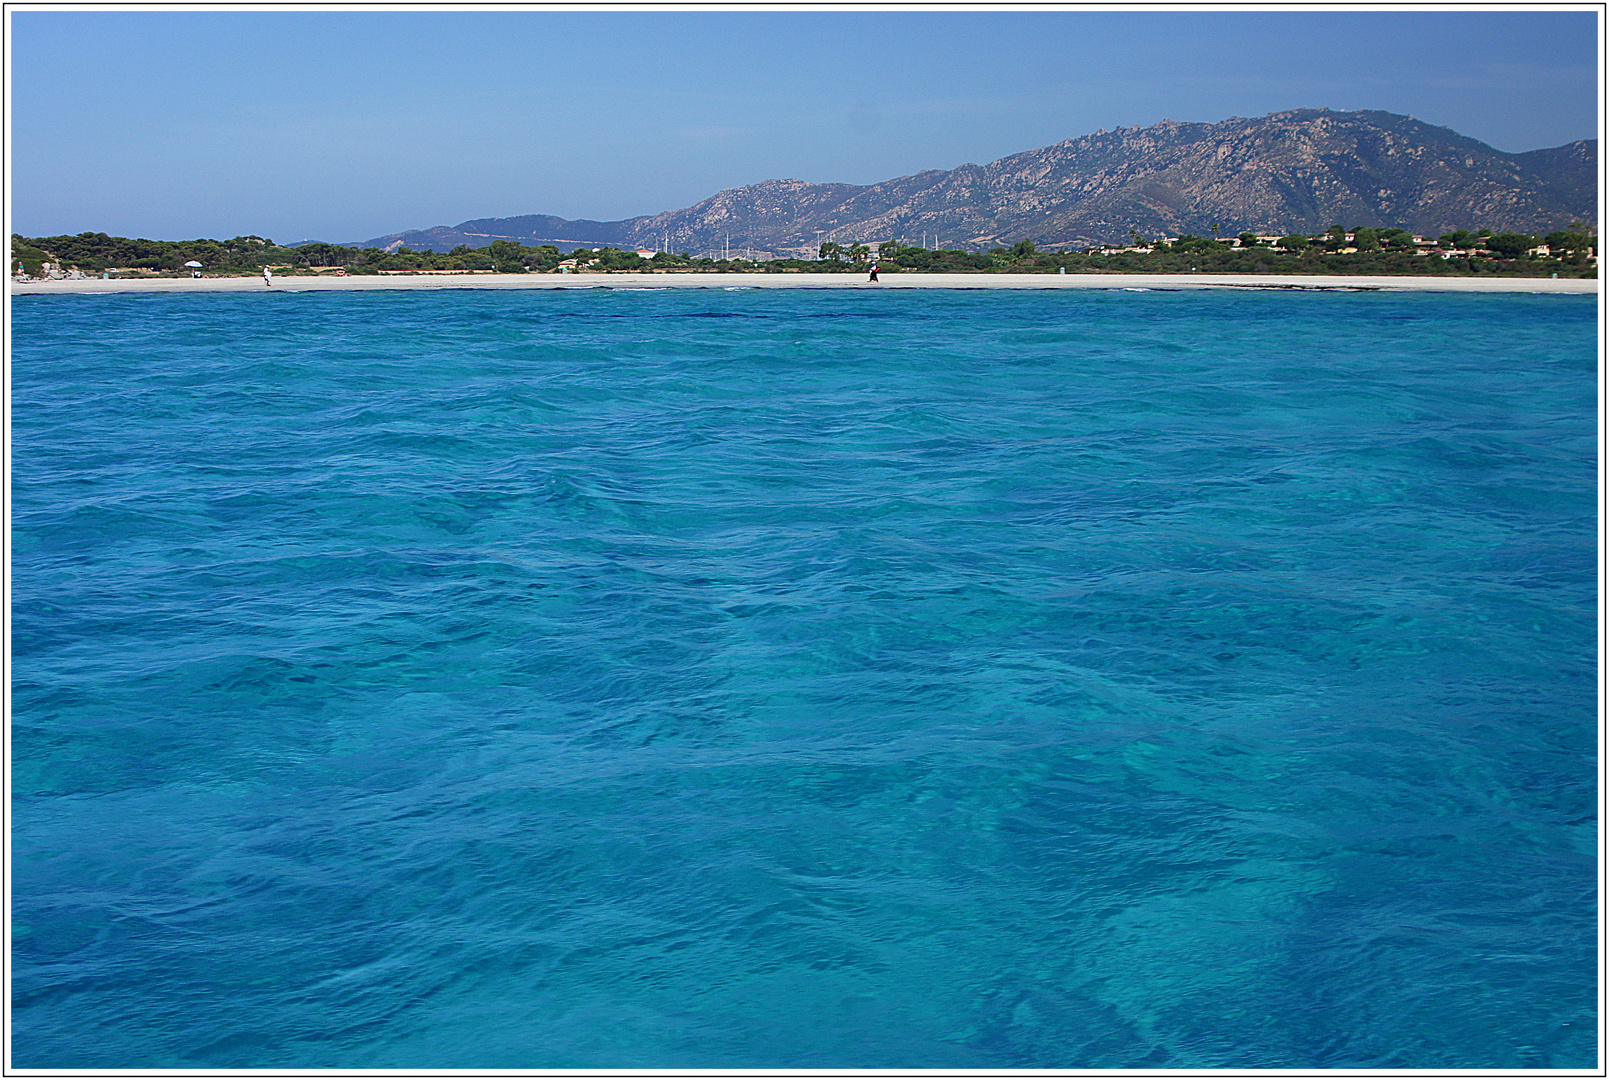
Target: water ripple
[(766, 679)]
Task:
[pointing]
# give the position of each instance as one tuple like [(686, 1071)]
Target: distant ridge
[(1296, 171)]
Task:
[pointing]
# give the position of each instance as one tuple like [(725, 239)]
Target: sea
[(803, 679)]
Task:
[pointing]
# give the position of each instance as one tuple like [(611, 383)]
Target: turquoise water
[(819, 679)]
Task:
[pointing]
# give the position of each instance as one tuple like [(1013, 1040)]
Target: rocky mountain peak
[(1298, 170)]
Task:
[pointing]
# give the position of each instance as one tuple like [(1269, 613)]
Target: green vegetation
[(95, 252), (1361, 251), (1338, 251), (27, 258), (1574, 245)]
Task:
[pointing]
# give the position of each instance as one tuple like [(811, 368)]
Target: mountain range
[(1297, 171)]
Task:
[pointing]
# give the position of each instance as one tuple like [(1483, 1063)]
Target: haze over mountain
[(1297, 171)]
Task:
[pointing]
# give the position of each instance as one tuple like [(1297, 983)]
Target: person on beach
[(874, 271), (268, 276)]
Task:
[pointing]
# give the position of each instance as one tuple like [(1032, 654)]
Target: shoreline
[(1280, 282)]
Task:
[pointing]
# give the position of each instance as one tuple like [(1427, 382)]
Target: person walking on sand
[(268, 276), (874, 270)]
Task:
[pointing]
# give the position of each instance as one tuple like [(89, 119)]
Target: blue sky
[(347, 125)]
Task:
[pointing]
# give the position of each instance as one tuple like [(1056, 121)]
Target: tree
[(859, 252), (1205, 244), (1463, 238), (26, 257), (1574, 244), (1511, 245), (508, 256), (545, 257), (613, 258), (1364, 239), (830, 251), (1293, 243), (317, 254), (1022, 249)]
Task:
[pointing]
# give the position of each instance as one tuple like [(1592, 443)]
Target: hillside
[(1296, 171)]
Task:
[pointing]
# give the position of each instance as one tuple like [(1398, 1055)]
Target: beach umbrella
[(193, 263)]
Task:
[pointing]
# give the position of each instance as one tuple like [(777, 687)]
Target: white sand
[(815, 281)]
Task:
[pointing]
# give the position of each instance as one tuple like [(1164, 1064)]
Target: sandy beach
[(814, 281)]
